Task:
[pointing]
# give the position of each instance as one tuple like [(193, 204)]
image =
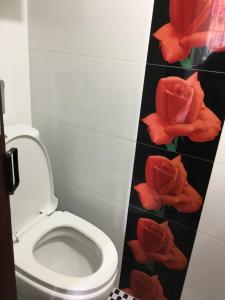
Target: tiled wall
[(179, 168), (87, 60), (14, 61)]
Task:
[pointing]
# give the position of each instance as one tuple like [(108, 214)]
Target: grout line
[(183, 154), (118, 137), (180, 68), (49, 119), (211, 236), (90, 130), (88, 56), (179, 224), (79, 186)]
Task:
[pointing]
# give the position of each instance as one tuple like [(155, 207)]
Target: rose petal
[(169, 241), (190, 200), (180, 129), (175, 260), (197, 101), (189, 16), (211, 39), (156, 127), (151, 236), (148, 198), (160, 174), (165, 85), (181, 175), (145, 287), (138, 253), (169, 200), (172, 50), (195, 40), (206, 128)]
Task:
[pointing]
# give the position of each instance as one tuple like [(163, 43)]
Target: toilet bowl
[(58, 255)]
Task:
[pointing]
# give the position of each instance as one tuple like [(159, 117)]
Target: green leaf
[(188, 62), (160, 212), (173, 146), (170, 147)]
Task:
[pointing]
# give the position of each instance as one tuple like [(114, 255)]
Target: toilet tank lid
[(35, 194)]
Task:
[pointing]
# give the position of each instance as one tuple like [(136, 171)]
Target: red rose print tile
[(193, 24), (145, 287), (188, 34), (166, 184), (181, 111), (155, 243)]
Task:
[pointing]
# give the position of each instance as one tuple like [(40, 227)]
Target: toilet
[(58, 255)]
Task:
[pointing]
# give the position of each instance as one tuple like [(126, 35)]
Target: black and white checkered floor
[(120, 295)]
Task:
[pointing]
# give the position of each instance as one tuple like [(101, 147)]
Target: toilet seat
[(34, 216), (28, 266)]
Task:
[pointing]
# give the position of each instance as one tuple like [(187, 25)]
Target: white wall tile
[(39, 76), (92, 160), (13, 24), (220, 155), (14, 70), (97, 94), (206, 272), (190, 295), (41, 123), (37, 23), (107, 214), (112, 29), (213, 217)]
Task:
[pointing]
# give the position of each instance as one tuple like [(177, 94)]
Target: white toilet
[(57, 254)]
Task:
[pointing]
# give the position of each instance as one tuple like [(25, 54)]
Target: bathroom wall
[(87, 60), (14, 60), (175, 237)]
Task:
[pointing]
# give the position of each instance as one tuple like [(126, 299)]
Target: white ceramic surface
[(212, 219), (54, 276), (96, 94), (190, 295), (39, 82), (117, 30), (44, 239), (35, 192), (14, 70), (92, 160), (220, 157), (13, 24), (206, 272)]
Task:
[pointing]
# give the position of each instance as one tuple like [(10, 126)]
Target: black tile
[(213, 85), (172, 286), (198, 176), (183, 236), (203, 58), (171, 280)]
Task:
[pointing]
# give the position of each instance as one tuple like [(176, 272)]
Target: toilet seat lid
[(35, 193)]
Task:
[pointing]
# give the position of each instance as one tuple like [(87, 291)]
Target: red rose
[(145, 287), (180, 111), (166, 184), (193, 23), (155, 242)]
